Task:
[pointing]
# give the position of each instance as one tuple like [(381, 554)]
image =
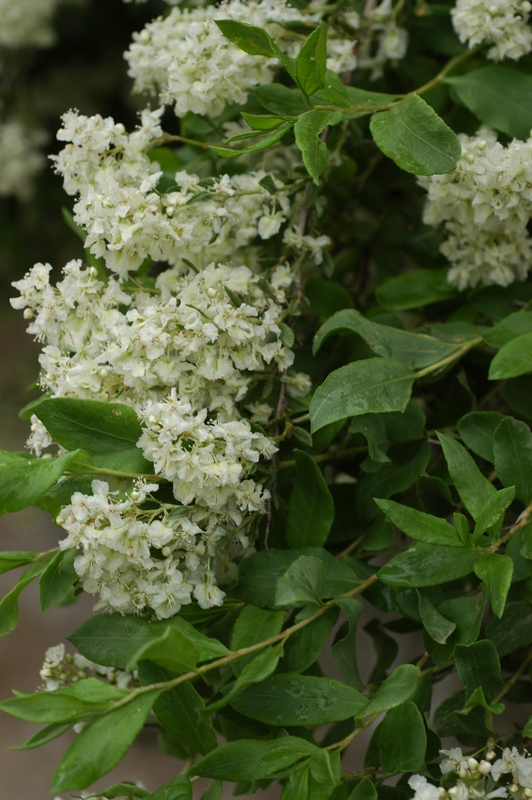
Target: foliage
[(279, 413)]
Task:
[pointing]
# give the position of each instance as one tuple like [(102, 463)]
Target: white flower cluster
[(185, 58), (128, 220), (61, 669), (182, 355), (26, 22), (20, 159), (501, 23), (485, 206), (479, 779), (381, 39)]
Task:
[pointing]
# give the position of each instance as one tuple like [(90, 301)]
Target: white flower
[(485, 205), (20, 158), (501, 23), (423, 789), (27, 23)]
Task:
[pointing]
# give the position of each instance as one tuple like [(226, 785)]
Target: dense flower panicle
[(501, 23), (128, 220), (485, 206), (381, 39), (27, 22), (20, 159), (185, 58), (156, 560), (103, 344)]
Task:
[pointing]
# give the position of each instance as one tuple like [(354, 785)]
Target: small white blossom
[(423, 789), (501, 23), (20, 158)]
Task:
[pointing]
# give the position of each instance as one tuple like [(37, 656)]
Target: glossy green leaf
[(499, 96), (496, 572), (514, 630), (478, 665), (180, 710), (58, 577), (102, 744), (364, 790), (369, 386), (311, 61), (437, 626), (301, 583), (121, 790), (23, 481), (90, 695), (513, 359), (254, 625), (508, 328), (178, 789), (171, 650), (299, 700), (108, 432), (315, 778), (512, 448), (307, 131), (492, 512), (281, 100), (396, 689), (12, 559), (416, 138), (262, 122), (414, 350), (303, 648), (9, 603), (427, 565), (474, 489), (311, 507), (402, 740), (420, 526), (255, 671), (249, 38), (273, 137), (250, 759), (477, 429), (344, 648), (413, 289), (259, 574)]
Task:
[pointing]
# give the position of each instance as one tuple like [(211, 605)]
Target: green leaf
[(259, 574), (181, 711), (108, 432), (499, 96), (491, 514), (307, 131), (509, 328), (427, 565), (437, 626), (281, 100), (256, 670), (372, 385), (272, 138), (23, 481), (420, 526), (113, 639), (303, 648), (9, 603), (171, 650), (414, 289), (512, 446), (477, 665), (402, 740), (88, 696), (477, 429), (416, 138), (315, 779), (477, 698), (514, 630), (495, 571), (12, 559), (121, 790), (178, 789), (344, 648), (248, 38), (513, 359), (214, 792), (414, 350), (474, 489), (250, 759), (365, 790), (301, 583), (396, 689), (254, 625), (58, 577), (527, 730), (311, 61), (262, 122), (299, 700), (102, 744), (466, 613), (311, 507)]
